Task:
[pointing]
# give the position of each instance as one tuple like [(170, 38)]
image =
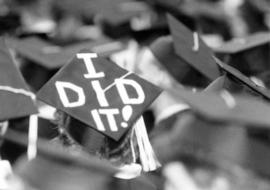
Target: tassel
[(3, 127), (148, 158), (32, 137)]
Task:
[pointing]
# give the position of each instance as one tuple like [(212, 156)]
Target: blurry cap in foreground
[(15, 97)]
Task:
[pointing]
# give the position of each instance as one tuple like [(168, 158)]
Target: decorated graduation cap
[(15, 97), (249, 54), (237, 82), (99, 93), (51, 56), (215, 131)]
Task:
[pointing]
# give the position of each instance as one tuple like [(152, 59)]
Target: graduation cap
[(249, 54), (227, 107), (59, 165), (51, 56), (215, 131), (128, 18), (99, 93), (57, 153), (235, 79), (164, 53), (15, 97), (199, 56), (68, 169), (192, 49), (123, 12), (223, 146)]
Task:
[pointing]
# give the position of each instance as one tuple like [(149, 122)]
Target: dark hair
[(72, 132)]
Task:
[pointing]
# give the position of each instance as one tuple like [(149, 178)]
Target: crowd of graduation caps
[(209, 126)]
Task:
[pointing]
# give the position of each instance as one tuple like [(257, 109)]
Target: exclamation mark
[(127, 113)]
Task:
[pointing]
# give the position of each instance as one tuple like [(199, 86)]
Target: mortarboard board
[(221, 145), (67, 166), (123, 12), (53, 57), (55, 152), (224, 106), (163, 51), (60, 166), (192, 49), (99, 93), (249, 54), (129, 18), (16, 99), (235, 74)]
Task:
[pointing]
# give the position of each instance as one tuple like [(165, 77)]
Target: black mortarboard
[(236, 79), (185, 74), (220, 145), (15, 97), (70, 170), (61, 168), (250, 54), (217, 133), (51, 56), (57, 153), (129, 18), (189, 47), (223, 106), (99, 93)]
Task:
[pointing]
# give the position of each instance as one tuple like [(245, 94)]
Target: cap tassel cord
[(18, 91), (148, 158), (132, 146), (4, 127), (32, 137), (196, 45)]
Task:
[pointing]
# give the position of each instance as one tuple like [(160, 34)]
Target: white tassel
[(148, 158), (32, 137), (3, 130)]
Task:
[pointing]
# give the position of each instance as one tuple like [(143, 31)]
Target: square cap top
[(243, 79), (191, 48), (123, 12), (223, 146), (15, 97), (53, 57), (99, 93), (225, 107), (58, 154), (184, 73)]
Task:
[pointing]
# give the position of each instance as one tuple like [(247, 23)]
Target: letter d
[(61, 86)]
